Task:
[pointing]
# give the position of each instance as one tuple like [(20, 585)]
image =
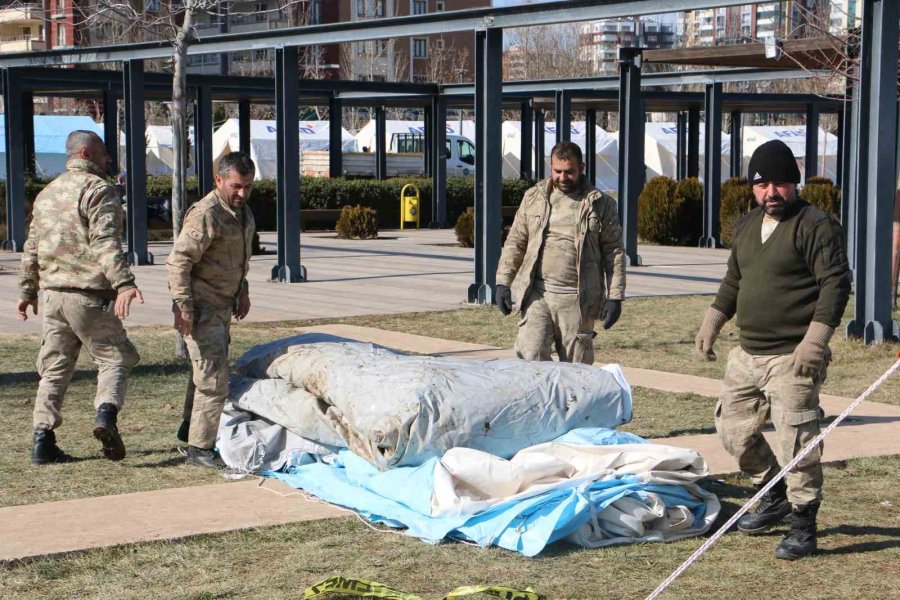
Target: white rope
[(712, 540)]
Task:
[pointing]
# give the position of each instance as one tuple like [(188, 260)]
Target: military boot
[(107, 432), (205, 458), (772, 509), (45, 449), (800, 540)]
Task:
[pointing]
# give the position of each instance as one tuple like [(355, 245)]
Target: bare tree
[(548, 52), (446, 63)]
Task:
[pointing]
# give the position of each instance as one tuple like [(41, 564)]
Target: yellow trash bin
[(409, 206)]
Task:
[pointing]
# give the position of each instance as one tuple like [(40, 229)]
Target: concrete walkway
[(873, 430), (403, 271)]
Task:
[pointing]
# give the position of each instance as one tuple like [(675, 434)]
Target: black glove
[(504, 299), (612, 310)]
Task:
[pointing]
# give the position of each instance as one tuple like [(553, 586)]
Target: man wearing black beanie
[(788, 282)]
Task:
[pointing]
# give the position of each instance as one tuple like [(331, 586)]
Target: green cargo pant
[(208, 348), (73, 319), (757, 387), (554, 321)]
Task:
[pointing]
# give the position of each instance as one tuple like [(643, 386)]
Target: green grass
[(859, 530)]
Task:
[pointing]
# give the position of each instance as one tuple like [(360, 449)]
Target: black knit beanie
[(773, 161)]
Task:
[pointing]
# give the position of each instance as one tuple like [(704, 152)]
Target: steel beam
[(681, 145), (590, 145), (488, 163), (563, 111), (28, 133), (110, 128), (693, 142), (713, 167), (811, 162), (842, 132), (875, 183), (737, 143), (540, 166), (631, 148), (136, 161), (380, 143), (439, 163), (244, 126), (288, 268), (203, 131), (428, 147), (335, 141), (15, 162), (526, 141)]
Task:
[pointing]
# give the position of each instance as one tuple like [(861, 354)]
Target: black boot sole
[(783, 555), (113, 448), (759, 530)]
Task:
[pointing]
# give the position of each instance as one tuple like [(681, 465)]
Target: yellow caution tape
[(372, 589)]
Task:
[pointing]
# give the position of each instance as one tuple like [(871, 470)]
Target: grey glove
[(809, 356), (503, 297), (709, 331), (612, 310)]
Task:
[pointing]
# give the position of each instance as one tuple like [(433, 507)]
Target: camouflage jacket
[(597, 232), (75, 237), (209, 262)]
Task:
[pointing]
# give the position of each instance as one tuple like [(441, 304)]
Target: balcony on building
[(22, 28)]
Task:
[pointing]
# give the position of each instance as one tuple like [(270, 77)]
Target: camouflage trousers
[(71, 320), (553, 321), (755, 388), (208, 349)]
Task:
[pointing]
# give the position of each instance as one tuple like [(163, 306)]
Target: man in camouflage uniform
[(208, 280), (563, 254), (73, 262), (788, 282)]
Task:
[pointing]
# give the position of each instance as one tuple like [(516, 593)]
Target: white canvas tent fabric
[(263, 142), (160, 154), (661, 147), (607, 155), (50, 133), (795, 138)]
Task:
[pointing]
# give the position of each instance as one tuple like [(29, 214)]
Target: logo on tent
[(757, 176)]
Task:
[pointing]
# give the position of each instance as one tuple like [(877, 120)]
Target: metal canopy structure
[(867, 157)]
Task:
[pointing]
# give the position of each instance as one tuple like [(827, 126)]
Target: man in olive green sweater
[(788, 282)]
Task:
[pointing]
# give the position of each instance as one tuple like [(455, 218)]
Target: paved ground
[(874, 430), (404, 271)]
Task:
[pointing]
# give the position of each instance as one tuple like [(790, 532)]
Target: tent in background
[(795, 137), (50, 133), (661, 147), (263, 142)]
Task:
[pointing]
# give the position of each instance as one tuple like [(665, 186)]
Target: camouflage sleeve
[(513, 252), (195, 237), (29, 277), (612, 250), (102, 209)]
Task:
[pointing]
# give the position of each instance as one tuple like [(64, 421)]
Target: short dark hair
[(567, 150), (236, 161)]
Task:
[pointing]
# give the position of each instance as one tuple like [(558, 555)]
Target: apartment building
[(600, 40), (22, 27), (764, 20)]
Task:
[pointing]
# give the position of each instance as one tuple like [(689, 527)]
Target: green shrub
[(736, 199), (690, 221), (465, 229), (357, 223), (658, 211), (821, 192)]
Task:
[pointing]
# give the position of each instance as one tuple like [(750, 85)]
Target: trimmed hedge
[(821, 192), (737, 199), (357, 223), (690, 225), (465, 229), (670, 212)]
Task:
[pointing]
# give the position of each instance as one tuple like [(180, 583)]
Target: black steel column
[(15, 162), (563, 109), (488, 163), (244, 126), (681, 146), (712, 173), (693, 153), (812, 141), (428, 147), (28, 133), (110, 130), (737, 145), (526, 152), (380, 150), (439, 162), (335, 142), (631, 148), (842, 132), (540, 168), (590, 145), (288, 268), (136, 161), (875, 183), (203, 130)]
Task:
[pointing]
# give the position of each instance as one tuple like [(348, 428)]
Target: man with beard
[(788, 282), (563, 263), (207, 270)]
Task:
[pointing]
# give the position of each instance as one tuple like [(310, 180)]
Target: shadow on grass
[(689, 431), (859, 547), (91, 374)]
